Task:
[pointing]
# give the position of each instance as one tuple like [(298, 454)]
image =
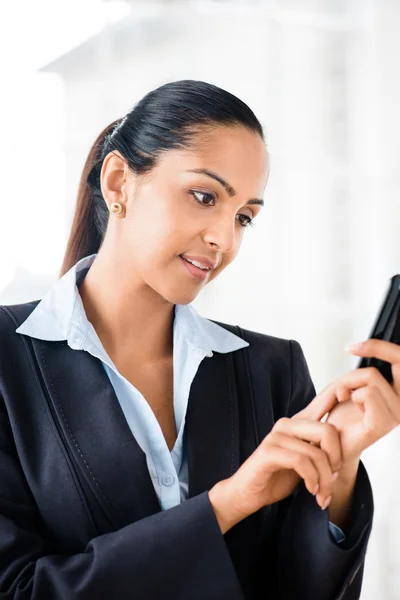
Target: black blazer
[(79, 517)]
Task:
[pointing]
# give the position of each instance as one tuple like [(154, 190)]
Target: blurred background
[(322, 76)]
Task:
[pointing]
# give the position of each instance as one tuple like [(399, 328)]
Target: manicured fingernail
[(326, 503), (356, 346), (335, 475)]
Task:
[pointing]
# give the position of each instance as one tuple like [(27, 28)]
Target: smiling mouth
[(196, 264), (198, 272)]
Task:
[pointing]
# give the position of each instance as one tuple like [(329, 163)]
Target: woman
[(147, 452)]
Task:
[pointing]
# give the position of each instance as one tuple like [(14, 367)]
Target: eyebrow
[(231, 191)]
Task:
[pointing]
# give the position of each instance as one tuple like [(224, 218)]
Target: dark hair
[(166, 118)]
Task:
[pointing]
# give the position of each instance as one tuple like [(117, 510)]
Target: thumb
[(320, 405)]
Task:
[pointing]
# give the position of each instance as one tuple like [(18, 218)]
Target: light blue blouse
[(60, 315)]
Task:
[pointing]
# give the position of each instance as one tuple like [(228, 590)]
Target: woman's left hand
[(368, 406), (363, 406)]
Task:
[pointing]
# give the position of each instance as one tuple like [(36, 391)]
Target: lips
[(193, 270), (202, 268), (203, 260)]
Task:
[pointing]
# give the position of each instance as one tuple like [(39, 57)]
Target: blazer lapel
[(97, 435), (96, 432), (212, 424)]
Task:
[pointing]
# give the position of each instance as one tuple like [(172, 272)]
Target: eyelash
[(249, 223)]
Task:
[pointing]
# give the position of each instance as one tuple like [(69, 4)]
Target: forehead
[(235, 153)]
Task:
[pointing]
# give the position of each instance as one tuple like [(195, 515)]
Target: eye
[(247, 222), (243, 220), (206, 195)]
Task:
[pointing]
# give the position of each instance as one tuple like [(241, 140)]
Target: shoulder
[(12, 315), (266, 346), (276, 366), (14, 359)]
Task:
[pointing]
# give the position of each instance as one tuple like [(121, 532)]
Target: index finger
[(323, 435), (320, 405), (373, 348)]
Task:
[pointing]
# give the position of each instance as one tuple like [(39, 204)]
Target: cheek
[(152, 229)]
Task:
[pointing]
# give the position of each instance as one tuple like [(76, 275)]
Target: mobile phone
[(386, 327)]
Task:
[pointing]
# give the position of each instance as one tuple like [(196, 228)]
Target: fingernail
[(315, 492), (335, 475), (356, 346), (326, 503)]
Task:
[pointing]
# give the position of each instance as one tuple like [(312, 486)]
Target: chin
[(180, 296)]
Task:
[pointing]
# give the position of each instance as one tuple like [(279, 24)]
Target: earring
[(116, 208)]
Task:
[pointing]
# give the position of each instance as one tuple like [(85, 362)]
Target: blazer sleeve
[(179, 553), (308, 557)]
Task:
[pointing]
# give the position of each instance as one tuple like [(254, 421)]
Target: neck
[(129, 317)]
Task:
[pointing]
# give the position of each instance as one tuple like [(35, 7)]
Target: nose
[(222, 234)]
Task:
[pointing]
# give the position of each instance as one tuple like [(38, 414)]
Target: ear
[(113, 177)]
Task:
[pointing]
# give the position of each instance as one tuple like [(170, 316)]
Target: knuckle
[(329, 431), (274, 438), (281, 424), (342, 391), (300, 460), (266, 446)]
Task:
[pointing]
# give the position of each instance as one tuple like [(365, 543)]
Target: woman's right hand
[(297, 448)]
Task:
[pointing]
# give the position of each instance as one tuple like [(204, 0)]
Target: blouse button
[(168, 480)]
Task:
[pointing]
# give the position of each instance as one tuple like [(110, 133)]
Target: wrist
[(342, 496), (220, 497), (348, 473)]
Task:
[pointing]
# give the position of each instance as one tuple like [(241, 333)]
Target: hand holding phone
[(386, 327)]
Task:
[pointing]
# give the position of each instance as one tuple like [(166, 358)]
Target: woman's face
[(195, 204)]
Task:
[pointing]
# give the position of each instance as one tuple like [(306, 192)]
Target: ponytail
[(91, 214)]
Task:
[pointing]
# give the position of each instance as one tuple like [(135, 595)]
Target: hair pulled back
[(166, 118)]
